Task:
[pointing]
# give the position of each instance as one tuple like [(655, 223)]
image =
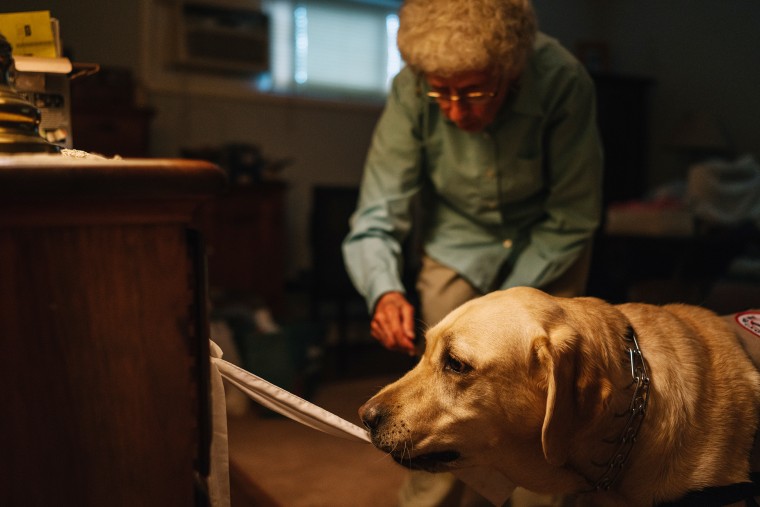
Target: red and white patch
[(749, 321)]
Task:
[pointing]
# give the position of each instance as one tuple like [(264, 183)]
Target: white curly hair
[(446, 37)]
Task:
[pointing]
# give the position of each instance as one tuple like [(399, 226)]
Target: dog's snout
[(371, 414)]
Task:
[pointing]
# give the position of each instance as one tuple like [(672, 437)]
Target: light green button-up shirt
[(512, 205)]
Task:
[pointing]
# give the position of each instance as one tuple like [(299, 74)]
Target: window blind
[(344, 46)]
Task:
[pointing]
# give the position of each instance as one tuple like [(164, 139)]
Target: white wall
[(703, 54), (327, 141), (97, 31), (327, 144)]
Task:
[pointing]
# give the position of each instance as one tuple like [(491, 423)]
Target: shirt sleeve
[(372, 250), (573, 204)]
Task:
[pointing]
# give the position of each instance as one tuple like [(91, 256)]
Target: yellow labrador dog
[(618, 405)]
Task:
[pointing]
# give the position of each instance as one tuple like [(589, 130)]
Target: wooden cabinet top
[(59, 190), (56, 176)]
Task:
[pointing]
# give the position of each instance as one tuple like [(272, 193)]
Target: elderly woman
[(493, 125)]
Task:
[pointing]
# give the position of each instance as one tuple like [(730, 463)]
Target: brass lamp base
[(26, 144)]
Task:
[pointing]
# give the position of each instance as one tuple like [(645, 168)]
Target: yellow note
[(29, 33)]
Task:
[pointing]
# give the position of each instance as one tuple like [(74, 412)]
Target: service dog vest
[(747, 327)]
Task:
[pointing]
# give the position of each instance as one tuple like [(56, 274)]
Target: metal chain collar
[(635, 414)]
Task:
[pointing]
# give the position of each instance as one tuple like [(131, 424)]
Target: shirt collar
[(523, 100), (525, 96)]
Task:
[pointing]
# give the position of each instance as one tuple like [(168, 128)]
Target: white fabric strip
[(486, 481), (285, 402)]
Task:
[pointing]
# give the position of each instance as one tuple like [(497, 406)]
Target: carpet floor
[(275, 462)]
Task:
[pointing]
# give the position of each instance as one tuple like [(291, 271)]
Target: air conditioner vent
[(222, 38)]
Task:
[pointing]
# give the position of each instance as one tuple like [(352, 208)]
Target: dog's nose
[(371, 415)]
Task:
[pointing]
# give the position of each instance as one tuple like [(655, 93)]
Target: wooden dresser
[(103, 332)]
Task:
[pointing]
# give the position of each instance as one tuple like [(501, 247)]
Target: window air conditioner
[(221, 38)]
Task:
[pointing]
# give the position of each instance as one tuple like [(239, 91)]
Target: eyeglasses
[(474, 97)]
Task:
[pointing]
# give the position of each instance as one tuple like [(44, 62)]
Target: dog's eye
[(455, 365)]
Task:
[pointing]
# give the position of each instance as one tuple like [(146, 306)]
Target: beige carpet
[(277, 462)]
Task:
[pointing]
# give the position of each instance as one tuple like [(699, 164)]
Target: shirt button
[(507, 243), (490, 174), (492, 205)]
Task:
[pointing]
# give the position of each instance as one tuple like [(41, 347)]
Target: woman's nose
[(456, 111)]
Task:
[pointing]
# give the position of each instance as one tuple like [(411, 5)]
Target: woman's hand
[(393, 323)]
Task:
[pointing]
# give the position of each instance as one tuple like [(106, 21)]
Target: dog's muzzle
[(394, 437)]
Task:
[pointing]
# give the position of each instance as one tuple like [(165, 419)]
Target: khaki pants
[(441, 290)]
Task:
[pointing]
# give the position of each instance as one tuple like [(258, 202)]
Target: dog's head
[(503, 382)]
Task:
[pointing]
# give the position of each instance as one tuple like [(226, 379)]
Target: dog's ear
[(557, 358)]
